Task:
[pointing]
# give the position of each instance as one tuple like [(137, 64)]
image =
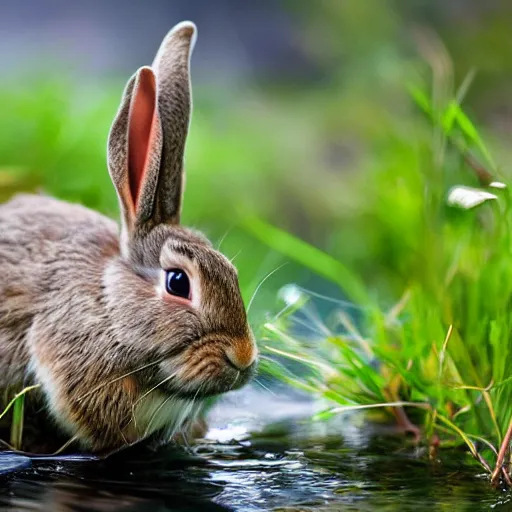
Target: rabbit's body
[(126, 331), (40, 308), (37, 234)]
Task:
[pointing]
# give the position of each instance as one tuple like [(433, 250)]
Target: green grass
[(442, 352), (18, 416), (17, 404)]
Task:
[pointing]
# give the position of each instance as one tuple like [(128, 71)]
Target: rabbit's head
[(171, 296)]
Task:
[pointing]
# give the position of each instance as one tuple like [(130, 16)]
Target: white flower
[(468, 197)]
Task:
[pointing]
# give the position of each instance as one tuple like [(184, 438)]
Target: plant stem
[(17, 422), (406, 425), (501, 456)]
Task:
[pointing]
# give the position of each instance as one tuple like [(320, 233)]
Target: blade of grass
[(17, 422), (308, 256), (347, 408), (13, 401)]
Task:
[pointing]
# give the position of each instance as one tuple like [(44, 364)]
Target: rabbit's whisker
[(311, 314), (64, 446), (153, 416), (235, 256), (282, 312), (261, 283), (93, 390), (344, 304), (192, 419), (312, 326), (183, 416), (147, 393), (236, 378), (264, 387), (198, 391), (186, 410), (223, 237), (125, 441), (154, 388)]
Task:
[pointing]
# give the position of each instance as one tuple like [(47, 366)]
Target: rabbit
[(127, 330)]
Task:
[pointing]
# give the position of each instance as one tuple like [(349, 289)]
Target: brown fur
[(83, 310)]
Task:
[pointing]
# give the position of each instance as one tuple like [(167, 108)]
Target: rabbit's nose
[(242, 354)]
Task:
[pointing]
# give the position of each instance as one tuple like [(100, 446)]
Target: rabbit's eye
[(177, 283)]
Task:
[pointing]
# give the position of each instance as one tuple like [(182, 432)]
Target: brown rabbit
[(126, 334)]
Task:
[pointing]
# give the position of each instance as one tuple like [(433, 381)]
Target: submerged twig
[(500, 469), (406, 425), (433, 447)]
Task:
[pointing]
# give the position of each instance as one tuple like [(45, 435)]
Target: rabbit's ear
[(135, 147), (172, 70), (147, 139)]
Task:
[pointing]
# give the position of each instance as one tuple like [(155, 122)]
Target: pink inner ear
[(141, 131)]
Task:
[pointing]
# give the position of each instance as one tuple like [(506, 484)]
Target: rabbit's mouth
[(212, 365), (212, 381)]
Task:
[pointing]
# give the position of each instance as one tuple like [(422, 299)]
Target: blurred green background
[(302, 116)]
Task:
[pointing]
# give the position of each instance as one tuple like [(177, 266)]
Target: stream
[(261, 453)]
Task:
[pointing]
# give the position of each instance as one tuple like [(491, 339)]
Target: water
[(287, 464)]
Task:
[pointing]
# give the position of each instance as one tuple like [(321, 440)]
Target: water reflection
[(287, 464), (159, 481)]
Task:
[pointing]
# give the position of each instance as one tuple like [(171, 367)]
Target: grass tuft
[(440, 356)]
